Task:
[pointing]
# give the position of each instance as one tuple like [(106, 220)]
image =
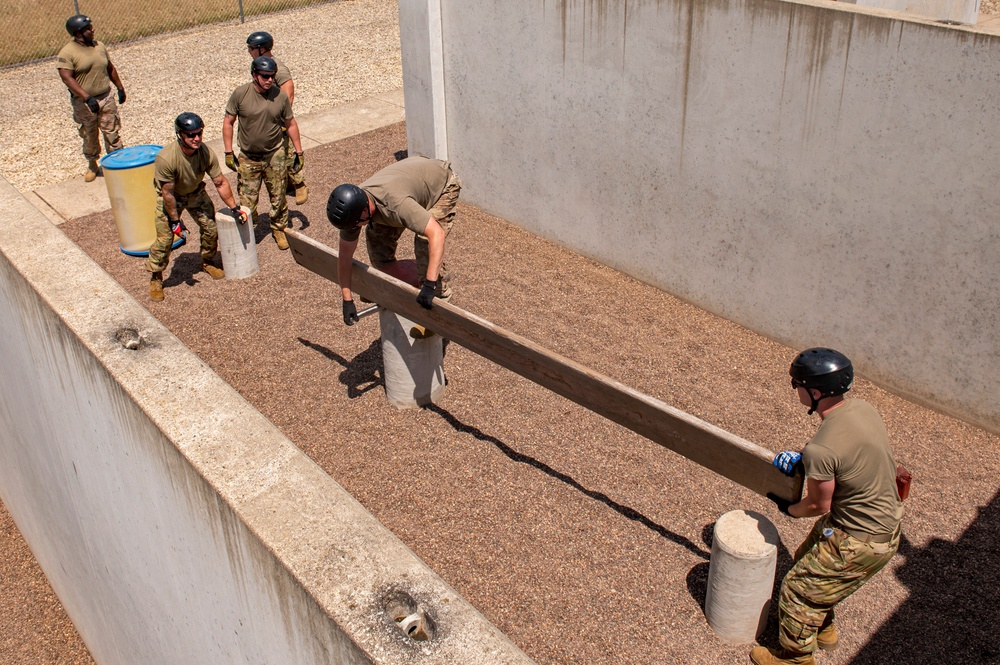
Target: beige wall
[(175, 523), (821, 173)]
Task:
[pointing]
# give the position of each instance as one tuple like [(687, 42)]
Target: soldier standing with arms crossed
[(85, 67), (179, 179), (263, 109), (261, 43), (851, 486)]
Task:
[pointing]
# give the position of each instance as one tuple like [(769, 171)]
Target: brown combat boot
[(90, 175), (279, 238), (764, 656), (156, 286), (301, 194), (213, 272), (827, 639)]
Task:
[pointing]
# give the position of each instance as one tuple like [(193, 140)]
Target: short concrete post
[(413, 368), (237, 245), (741, 576)]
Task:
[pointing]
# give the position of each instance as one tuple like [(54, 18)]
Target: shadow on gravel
[(951, 615), (183, 266), (361, 373), (515, 456)]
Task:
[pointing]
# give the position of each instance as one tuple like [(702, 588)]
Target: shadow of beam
[(624, 511)]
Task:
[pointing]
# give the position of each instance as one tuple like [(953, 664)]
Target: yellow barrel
[(128, 174)]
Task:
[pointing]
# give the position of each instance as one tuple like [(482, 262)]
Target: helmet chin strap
[(815, 402)]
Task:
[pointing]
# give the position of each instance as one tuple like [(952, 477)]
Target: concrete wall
[(175, 523), (821, 173)]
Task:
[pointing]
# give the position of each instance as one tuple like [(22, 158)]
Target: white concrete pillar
[(413, 366), (237, 245), (741, 576), (422, 45)]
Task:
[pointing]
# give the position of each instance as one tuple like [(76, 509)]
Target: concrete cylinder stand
[(237, 245), (741, 576), (413, 368)]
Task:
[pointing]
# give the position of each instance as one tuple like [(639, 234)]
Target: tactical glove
[(427, 292), (93, 105), (782, 504), (788, 462), (177, 226), (232, 162), (297, 163), (121, 95), (350, 313), (240, 215)]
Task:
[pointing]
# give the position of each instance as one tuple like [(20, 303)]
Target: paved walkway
[(75, 198)]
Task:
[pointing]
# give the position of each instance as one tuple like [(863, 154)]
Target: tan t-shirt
[(187, 173), (283, 75), (404, 193), (89, 65), (851, 447), (260, 117)]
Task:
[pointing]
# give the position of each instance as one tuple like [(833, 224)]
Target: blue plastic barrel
[(128, 174)]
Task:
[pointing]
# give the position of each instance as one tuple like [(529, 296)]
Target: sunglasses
[(191, 135), (265, 76)]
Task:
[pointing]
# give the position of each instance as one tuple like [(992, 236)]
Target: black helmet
[(263, 64), (261, 40), (75, 24), (828, 371), (188, 122), (345, 205)]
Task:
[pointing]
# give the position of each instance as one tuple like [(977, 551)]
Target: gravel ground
[(583, 542), (580, 540), (359, 40)]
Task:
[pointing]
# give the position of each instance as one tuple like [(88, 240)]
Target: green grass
[(35, 29)]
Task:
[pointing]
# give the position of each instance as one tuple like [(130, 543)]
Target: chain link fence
[(35, 29)]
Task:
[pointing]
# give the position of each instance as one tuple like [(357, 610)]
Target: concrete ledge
[(176, 523)]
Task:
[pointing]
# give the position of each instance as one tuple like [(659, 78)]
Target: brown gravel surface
[(583, 542)]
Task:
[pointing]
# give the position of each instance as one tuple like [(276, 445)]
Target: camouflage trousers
[(296, 180), (199, 206), (272, 170), (827, 570), (382, 240), (92, 125)]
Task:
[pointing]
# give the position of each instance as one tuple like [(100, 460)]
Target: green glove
[(232, 162), (297, 163)]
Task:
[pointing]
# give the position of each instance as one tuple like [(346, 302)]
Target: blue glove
[(787, 462)]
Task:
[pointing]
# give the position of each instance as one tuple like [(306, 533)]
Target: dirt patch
[(582, 541)]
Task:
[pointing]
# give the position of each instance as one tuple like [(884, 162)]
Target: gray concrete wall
[(174, 522), (822, 174)]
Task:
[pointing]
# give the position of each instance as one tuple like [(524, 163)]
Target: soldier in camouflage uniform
[(179, 178), (263, 110), (85, 67), (851, 484), (416, 194), (261, 43)]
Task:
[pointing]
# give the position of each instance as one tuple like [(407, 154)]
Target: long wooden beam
[(726, 454)]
